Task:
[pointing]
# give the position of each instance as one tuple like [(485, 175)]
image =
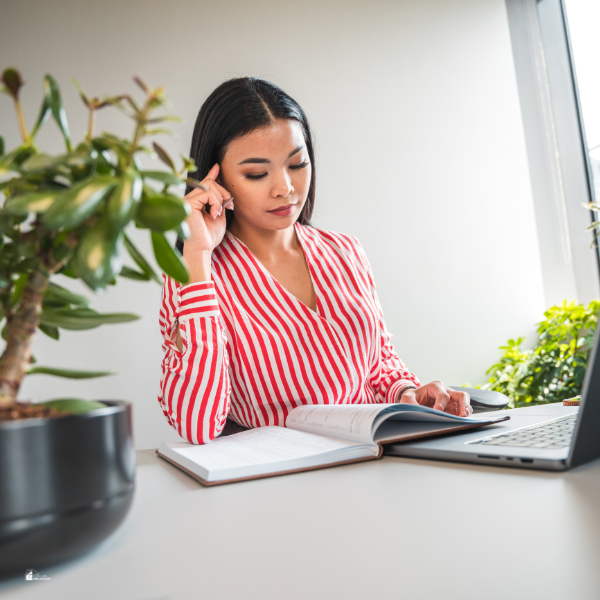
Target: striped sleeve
[(388, 374), (195, 387)]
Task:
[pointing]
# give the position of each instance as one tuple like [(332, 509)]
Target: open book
[(314, 436)]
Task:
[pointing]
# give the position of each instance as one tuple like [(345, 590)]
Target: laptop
[(550, 437)]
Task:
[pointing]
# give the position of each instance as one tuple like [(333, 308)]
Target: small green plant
[(555, 368)]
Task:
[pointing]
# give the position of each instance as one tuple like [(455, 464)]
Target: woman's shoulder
[(344, 242)]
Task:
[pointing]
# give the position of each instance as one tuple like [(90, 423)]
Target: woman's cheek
[(303, 181)]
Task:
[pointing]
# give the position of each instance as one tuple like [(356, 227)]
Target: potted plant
[(67, 465), (554, 369)]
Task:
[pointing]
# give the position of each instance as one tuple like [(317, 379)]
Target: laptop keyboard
[(552, 436)]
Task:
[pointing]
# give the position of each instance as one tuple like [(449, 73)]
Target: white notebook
[(315, 436)]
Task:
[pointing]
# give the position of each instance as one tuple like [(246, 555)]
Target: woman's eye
[(300, 166), (256, 176)]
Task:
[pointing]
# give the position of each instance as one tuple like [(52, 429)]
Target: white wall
[(420, 154)]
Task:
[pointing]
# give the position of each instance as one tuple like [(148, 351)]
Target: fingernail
[(220, 211), (231, 205)]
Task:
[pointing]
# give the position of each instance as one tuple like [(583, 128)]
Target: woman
[(277, 313)]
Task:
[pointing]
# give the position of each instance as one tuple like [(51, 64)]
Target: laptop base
[(459, 447)]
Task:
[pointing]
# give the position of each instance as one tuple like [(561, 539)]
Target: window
[(583, 19), (560, 168)]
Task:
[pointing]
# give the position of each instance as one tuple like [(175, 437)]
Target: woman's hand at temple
[(437, 395), (206, 229)]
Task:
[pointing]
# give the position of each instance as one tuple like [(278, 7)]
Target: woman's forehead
[(274, 142)]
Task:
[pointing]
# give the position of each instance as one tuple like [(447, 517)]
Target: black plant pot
[(65, 485)]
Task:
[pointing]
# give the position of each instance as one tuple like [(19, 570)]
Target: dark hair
[(236, 108)]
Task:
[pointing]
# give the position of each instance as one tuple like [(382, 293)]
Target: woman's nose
[(282, 185)]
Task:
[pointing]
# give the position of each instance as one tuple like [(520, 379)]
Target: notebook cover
[(277, 473)]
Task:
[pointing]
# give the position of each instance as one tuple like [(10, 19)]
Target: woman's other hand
[(436, 395), (206, 228)]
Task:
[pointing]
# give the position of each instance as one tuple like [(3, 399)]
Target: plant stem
[(139, 130), (91, 123), (20, 331), (136, 140), (21, 118)]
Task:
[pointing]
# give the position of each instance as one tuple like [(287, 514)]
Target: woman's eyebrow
[(266, 160)]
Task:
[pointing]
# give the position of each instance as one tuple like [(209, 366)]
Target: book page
[(361, 422), (346, 421), (262, 450)]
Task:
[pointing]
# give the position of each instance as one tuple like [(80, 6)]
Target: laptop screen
[(586, 440)]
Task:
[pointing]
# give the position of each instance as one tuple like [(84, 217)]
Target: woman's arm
[(194, 388)]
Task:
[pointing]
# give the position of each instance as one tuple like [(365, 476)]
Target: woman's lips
[(283, 211)]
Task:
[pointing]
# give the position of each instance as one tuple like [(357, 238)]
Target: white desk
[(394, 528)]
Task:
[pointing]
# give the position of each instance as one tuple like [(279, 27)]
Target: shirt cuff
[(197, 300), (392, 391)]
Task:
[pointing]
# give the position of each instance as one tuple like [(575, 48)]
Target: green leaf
[(163, 155), (171, 118), (41, 162), (76, 204), (183, 230), (125, 198), (63, 252), (18, 289), (61, 294), (82, 95), (1, 145), (68, 271), (163, 176), (54, 101), (13, 81), (140, 261), (159, 131), (194, 183), (162, 212), (169, 259), (50, 331), (103, 163), (188, 164), (17, 183), (133, 274), (79, 319), (98, 258), (81, 165), (42, 117), (16, 157), (74, 406), (68, 373), (38, 202)]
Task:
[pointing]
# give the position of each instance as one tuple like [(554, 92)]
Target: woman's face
[(268, 174)]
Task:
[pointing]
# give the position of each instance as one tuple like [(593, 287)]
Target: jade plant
[(69, 215)]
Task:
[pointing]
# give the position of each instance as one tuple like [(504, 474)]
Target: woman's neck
[(266, 244)]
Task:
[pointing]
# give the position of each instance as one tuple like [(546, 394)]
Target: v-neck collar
[(299, 234)]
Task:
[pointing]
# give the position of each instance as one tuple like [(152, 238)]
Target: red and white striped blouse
[(253, 352)]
